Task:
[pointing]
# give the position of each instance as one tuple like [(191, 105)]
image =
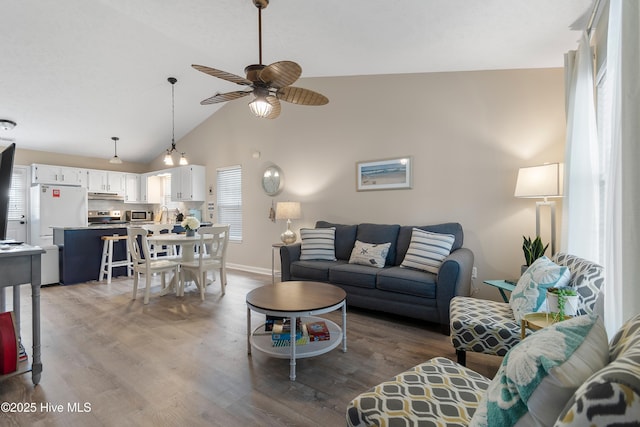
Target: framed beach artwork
[(387, 174)]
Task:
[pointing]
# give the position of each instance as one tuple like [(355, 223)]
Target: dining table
[(187, 243), (187, 249)]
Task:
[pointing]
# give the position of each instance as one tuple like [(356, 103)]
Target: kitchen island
[(80, 250)]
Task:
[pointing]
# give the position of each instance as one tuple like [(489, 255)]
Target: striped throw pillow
[(427, 250), (318, 243)]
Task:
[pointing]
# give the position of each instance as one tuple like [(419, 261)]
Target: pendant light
[(115, 159), (168, 157)]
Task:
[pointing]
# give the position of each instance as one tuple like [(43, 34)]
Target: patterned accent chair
[(440, 392), (485, 326)]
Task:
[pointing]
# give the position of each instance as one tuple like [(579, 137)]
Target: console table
[(20, 265)]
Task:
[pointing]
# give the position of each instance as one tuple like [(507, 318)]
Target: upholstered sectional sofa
[(394, 289)]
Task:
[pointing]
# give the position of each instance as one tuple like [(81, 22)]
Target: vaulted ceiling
[(74, 73)]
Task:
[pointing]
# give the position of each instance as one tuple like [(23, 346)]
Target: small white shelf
[(261, 341)]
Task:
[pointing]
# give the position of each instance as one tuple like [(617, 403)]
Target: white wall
[(468, 133)]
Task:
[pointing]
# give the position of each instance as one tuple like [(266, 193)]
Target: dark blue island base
[(81, 252)]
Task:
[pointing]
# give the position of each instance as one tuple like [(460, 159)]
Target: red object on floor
[(8, 344)]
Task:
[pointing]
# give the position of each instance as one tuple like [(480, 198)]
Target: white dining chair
[(143, 263), (211, 256), (161, 251)]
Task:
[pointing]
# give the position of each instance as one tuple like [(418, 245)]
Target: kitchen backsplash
[(184, 207)]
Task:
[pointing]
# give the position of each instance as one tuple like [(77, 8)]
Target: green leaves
[(533, 249)]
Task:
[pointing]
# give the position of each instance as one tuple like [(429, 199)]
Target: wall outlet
[(474, 273)]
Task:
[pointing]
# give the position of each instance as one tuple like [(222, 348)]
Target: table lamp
[(288, 211), (542, 182)]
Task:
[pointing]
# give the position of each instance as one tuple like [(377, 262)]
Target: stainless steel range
[(105, 217)]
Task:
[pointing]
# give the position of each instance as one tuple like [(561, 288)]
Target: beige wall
[(468, 133)]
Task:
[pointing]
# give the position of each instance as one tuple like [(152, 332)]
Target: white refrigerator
[(54, 206)]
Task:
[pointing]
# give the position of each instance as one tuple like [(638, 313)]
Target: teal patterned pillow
[(540, 374), (530, 291)]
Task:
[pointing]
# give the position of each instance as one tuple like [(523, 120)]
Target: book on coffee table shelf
[(318, 331), (270, 320), (304, 339), (281, 329)]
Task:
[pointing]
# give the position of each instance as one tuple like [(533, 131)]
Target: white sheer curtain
[(581, 203), (621, 222)]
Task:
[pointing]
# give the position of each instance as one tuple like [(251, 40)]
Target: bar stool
[(108, 264)]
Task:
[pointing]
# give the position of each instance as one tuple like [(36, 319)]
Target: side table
[(502, 286), (537, 321), (273, 262)]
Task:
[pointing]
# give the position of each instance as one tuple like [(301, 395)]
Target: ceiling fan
[(270, 84)]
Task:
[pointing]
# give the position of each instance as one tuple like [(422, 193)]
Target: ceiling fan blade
[(275, 112), (298, 95), (280, 74), (223, 97), (223, 75)]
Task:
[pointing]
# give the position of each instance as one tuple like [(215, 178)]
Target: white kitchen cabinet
[(188, 183), (60, 175), (100, 181), (151, 188), (131, 187)]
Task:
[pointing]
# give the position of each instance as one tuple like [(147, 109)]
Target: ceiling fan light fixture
[(260, 107), (115, 159)]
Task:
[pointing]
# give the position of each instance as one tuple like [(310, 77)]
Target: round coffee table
[(294, 300)]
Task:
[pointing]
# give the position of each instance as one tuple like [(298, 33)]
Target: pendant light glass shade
[(168, 160), (115, 159)]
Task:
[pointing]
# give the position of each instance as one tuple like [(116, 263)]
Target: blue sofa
[(392, 289)]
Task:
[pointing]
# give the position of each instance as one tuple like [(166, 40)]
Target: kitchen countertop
[(121, 225)]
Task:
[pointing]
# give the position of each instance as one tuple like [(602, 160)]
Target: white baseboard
[(252, 269)]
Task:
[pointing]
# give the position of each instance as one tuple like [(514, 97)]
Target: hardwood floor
[(184, 362)]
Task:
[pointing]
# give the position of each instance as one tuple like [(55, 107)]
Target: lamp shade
[(288, 210), (540, 181)]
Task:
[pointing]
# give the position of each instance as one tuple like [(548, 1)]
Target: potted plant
[(190, 224), (562, 302), (533, 249)]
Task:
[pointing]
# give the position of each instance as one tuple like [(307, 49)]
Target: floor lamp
[(543, 182)]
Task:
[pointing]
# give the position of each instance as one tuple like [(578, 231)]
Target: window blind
[(229, 200), (18, 194)]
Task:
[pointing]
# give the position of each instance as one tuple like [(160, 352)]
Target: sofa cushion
[(371, 254), (353, 274), (427, 250), (380, 233), (539, 375), (404, 237), (317, 270), (345, 238), (612, 395), (407, 281), (530, 291), (318, 243)]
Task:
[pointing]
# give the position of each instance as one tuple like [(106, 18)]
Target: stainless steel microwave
[(134, 216)]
